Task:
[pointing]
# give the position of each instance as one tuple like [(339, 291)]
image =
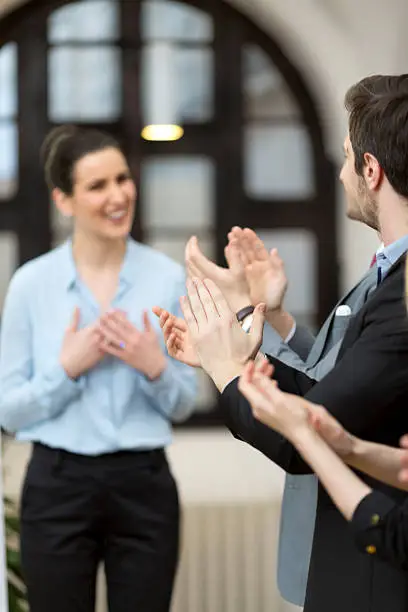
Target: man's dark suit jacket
[(367, 391)]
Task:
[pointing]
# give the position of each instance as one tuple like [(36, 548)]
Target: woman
[(83, 376)]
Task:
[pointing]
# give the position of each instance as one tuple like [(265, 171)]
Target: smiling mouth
[(117, 215)]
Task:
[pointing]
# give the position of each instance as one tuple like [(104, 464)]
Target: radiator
[(228, 559)]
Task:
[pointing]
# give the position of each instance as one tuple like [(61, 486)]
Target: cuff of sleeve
[(290, 334), (59, 377), (60, 389), (159, 384), (228, 383), (367, 518)]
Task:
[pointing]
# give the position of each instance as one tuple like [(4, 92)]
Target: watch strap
[(244, 312)]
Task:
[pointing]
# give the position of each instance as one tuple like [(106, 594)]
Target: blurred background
[(251, 92)]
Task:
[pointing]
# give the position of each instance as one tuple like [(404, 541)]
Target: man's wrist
[(239, 301), (225, 373), (281, 321)]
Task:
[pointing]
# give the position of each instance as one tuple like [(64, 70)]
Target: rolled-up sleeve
[(27, 398), (380, 528)]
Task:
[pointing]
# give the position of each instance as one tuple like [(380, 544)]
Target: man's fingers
[(197, 263), (256, 246), (189, 256), (248, 245), (189, 315), (219, 300), (206, 300), (194, 271), (233, 256), (276, 262), (196, 305)]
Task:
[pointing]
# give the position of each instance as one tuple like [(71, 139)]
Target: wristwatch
[(245, 317)]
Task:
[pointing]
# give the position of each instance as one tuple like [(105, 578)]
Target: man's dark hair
[(378, 124)]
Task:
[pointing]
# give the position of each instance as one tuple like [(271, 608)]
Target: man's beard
[(368, 206), (362, 207)]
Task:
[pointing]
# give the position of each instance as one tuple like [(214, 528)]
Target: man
[(295, 345), (377, 190)]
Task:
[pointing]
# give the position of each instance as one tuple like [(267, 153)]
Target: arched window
[(252, 153)]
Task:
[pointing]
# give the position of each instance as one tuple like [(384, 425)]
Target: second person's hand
[(177, 338), (81, 348), (138, 348)]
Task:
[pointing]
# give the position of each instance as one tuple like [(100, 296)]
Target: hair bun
[(53, 141)]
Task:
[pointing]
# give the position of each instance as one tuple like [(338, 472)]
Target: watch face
[(247, 322)]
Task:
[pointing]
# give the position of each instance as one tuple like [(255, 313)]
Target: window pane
[(298, 249), (191, 81), (266, 94), (175, 21), (8, 159), (89, 20), (175, 247), (84, 84), (8, 81), (195, 84), (278, 161), (9, 261), (178, 193)]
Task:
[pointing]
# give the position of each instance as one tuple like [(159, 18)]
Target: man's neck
[(393, 220)]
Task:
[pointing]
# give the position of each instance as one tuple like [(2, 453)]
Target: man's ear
[(373, 173)]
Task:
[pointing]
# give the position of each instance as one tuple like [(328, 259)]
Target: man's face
[(361, 205)]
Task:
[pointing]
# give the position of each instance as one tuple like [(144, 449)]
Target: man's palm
[(267, 282), (232, 280)]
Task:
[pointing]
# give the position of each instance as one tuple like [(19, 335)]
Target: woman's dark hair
[(64, 146)]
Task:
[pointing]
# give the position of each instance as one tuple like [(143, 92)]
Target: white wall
[(334, 43)]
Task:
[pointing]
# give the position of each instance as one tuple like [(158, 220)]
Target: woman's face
[(104, 195)]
